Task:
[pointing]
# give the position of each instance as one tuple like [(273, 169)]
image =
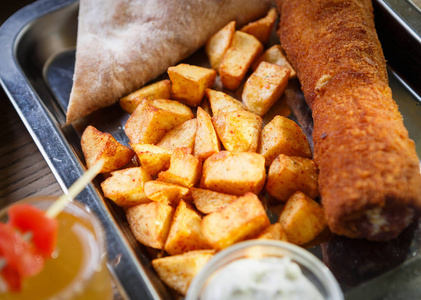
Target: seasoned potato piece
[(207, 201), (185, 169), (242, 219), (275, 55), (264, 87), (218, 44), (190, 82), (262, 28), (152, 119), (178, 271), (125, 187), (164, 192), (207, 141), (182, 135), (185, 232), (150, 223), (283, 136), (234, 173), (302, 219), (222, 103), (157, 90), (98, 145), (288, 174), (238, 59), (153, 159), (273, 232), (238, 130)]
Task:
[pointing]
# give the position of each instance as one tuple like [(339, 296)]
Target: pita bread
[(122, 44)]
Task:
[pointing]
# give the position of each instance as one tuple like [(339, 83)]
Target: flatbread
[(121, 44)]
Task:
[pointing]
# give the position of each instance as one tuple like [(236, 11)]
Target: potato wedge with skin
[(126, 187), (238, 130), (150, 223), (218, 44), (234, 173), (152, 119), (262, 28), (185, 169), (289, 174), (244, 49), (242, 219), (222, 103), (189, 83), (207, 201), (157, 90), (164, 192), (274, 232), (182, 135), (185, 233), (98, 145), (178, 271), (303, 219), (153, 159), (275, 55), (206, 142), (264, 87), (283, 136)]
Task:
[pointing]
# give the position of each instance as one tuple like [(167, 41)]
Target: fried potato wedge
[(206, 142), (283, 136), (222, 103), (207, 201), (238, 130), (164, 192), (157, 90), (234, 173), (289, 174), (153, 159), (264, 87), (242, 219), (182, 135), (303, 219), (244, 49), (218, 44), (125, 187), (275, 55), (150, 223), (98, 145), (274, 232), (178, 271), (262, 28), (189, 83)]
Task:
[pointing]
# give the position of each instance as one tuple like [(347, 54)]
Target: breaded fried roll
[(370, 181)]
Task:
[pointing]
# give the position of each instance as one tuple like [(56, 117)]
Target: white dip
[(267, 278)]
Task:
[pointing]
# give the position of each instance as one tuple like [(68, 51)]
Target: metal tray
[(37, 49)]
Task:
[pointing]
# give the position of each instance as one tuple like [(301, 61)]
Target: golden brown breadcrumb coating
[(370, 179)]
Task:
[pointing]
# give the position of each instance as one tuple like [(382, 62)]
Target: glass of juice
[(77, 268)]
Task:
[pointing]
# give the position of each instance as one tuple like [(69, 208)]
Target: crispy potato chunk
[(157, 90), (151, 120), (242, 219), (182, 135), (262, 28), (125, 187), (98, 145), (302, 219), (238, 59), (164, 192), (238, 130), (275, 55), (150, 223), (234, 173), (283, 136), (185, 232), (207, 141), (185, 169), (222, 103), (153, 159), (288, 174), (218, 44), (274, 232), (264, 87), (190, 82), (207, 201), (178, 271)]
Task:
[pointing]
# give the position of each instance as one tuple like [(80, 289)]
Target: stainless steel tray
[(37, 47)]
